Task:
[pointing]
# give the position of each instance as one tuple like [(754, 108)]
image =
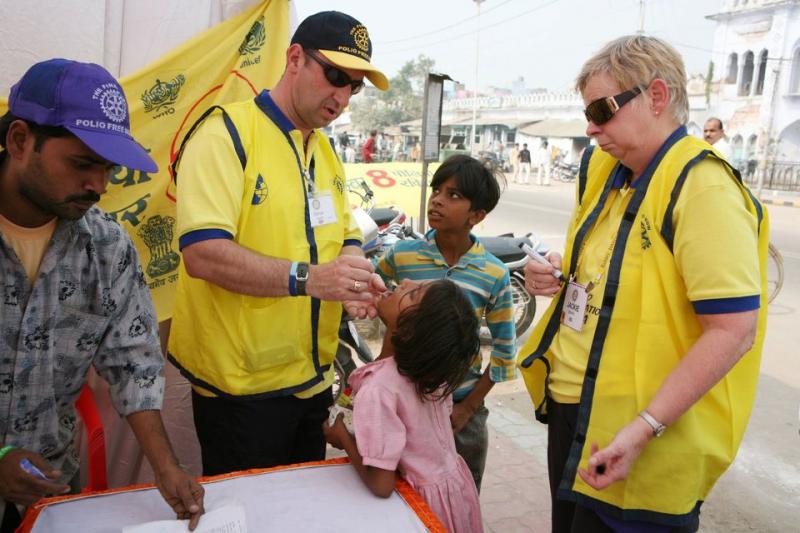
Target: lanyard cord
[(308, 182), (604, 264)]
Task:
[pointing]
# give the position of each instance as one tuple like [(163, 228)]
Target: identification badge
[(320, 207), (574, 311)]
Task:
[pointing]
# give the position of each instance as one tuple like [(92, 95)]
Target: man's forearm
[(235, 268), (152, 437)]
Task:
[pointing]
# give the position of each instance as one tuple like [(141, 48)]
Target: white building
[(755, 88)]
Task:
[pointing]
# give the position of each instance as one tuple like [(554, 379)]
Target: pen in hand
[(536, 256)]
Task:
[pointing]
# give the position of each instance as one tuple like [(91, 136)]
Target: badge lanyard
[(576, 299), (607, 258), (321, 209)]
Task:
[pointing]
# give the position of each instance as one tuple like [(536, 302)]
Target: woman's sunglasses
[(337, 77), (603, 109)]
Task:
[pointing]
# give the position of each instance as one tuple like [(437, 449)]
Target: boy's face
[(449, 210)]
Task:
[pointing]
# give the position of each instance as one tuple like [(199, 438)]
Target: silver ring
[(357, 285)]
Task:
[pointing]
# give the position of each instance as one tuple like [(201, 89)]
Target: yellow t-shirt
[(28, 243), (240, 344), (711, 224)]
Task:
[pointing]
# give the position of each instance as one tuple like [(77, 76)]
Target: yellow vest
[(234, 344), (653, 326)]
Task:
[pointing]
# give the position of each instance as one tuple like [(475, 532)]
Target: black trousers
[(238, 434), (567, 516)]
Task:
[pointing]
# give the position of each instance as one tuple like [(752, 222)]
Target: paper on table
[(229, 518)]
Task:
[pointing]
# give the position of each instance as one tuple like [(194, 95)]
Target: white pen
[(536, 256)]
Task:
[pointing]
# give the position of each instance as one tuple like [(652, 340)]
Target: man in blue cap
[(72, 292)]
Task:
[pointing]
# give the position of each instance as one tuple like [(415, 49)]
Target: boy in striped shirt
[(463, 192)]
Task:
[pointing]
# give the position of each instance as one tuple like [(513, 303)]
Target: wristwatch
[(301, 277), (658, 427)]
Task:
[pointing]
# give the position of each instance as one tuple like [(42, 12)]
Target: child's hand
[(337, 435)]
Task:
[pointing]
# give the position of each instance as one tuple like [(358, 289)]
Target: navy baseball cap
[(85, 99), (343, 41)]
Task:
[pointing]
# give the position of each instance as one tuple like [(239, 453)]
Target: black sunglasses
[(337, 77), (603, 109)]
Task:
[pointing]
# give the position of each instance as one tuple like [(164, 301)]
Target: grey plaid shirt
[(89, 305)]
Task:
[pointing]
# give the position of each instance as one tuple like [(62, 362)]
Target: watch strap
[(657, 427), (301, 277)]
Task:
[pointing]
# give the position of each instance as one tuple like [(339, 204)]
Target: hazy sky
[(545, 41)]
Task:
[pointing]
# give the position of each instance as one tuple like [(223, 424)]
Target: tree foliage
[(375, 109)]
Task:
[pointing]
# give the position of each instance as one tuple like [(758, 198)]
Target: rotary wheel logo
[(113, 104), (361, 37)]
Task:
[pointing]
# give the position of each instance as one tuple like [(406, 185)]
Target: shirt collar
[(622, 174), (474, 256)]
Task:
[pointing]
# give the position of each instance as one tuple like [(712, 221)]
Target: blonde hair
[(636, 60)]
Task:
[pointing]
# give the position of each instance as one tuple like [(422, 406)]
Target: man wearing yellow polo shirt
[(270, 252)]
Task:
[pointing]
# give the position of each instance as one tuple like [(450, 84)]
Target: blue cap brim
[(117, 148)]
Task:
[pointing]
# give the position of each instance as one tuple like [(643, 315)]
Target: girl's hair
[(437, 340)]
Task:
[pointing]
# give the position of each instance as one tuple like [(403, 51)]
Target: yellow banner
[(232, 61), (397, 184)]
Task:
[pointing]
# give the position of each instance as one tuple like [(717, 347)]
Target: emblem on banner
[(254, 39), (261, 192), (157, 234), (161, 97)]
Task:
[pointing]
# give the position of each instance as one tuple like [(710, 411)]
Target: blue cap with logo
[(85, 99)]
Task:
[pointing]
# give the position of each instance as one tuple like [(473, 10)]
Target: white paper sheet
[(230, 518)]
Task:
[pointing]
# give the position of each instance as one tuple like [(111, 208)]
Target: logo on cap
[(112, 102), (360, 37)]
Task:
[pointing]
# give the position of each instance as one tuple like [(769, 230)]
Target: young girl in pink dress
[(403, 402)]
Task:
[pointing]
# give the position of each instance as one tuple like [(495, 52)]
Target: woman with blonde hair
[(645, 365)]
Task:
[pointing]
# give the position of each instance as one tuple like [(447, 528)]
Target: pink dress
[(395, 429)]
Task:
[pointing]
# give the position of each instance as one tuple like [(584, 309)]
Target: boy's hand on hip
[(460, 416)]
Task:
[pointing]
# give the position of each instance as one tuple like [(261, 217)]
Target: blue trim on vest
[(351, 242), (687, 520), (727, 305), (666, 228), (202, 235), (237, 141), (288, 391), (270, 109), (234, 134), (583, 172)]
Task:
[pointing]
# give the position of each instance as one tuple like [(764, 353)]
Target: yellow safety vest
[(234, 344), (653, 326)]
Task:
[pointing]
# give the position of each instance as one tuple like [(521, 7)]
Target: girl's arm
[(381, 482)]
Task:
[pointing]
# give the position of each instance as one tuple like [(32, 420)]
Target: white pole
[(472, 150)]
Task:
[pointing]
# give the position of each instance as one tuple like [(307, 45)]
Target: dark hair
[(437, 340), (477, 183), (40, 133), (718, 122)]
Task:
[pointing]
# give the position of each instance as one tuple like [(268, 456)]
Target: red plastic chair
[(87, 408)]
